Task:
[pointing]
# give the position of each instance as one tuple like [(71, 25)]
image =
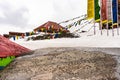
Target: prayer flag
[(97, 10), (104, 11), (109, 13), (90, 10), (114, 11), (118, 11)]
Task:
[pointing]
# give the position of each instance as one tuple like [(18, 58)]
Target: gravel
[(64, 64)]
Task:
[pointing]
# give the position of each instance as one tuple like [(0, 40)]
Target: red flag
[(104, 11)]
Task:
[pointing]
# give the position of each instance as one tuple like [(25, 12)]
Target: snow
[(86, 39)]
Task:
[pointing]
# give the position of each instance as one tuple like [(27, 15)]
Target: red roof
[(9, 48), (49, 24)]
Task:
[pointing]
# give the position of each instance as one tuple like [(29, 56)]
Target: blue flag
[(114, 11)]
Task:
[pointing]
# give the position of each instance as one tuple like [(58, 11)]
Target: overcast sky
[(25, 15)]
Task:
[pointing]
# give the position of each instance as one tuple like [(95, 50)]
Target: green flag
[(97, 10)]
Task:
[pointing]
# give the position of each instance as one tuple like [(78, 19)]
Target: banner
[(109, 7), (97, 10), (90, 9), (119, 11), (109, 13), (104, 11), (114, 11)]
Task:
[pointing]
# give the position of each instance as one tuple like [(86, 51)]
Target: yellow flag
[(53, 31), (61, 29), (90, 10), (30, 33), (42, 29), (17, 37)]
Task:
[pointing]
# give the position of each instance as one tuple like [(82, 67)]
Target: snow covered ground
[(87, 39)]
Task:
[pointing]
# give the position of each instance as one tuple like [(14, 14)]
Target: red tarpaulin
[(9, 48)]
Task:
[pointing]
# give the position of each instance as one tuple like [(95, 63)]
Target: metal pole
[(112, 19), (107, 17), (94, 28)]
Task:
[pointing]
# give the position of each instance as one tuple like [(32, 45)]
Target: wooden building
[(16, 34), (50, 27)]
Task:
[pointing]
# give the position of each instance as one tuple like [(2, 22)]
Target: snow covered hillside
[(87, 37)]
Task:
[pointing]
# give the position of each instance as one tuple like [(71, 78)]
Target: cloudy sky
[(25, 15)]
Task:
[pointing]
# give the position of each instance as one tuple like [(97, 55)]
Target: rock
[(62, 64), (47, 76)]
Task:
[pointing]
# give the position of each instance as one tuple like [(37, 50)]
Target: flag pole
[(107, 16), (112, 19), (94, 28), (94, 18)]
